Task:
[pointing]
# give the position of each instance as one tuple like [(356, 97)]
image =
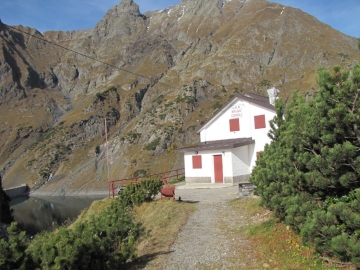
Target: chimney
[(273, 95)]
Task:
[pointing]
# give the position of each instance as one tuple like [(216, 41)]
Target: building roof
[(250, 97), (218, 145), (258, 98)]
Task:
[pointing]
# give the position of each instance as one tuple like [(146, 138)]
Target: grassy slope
[(272, 244), (264, 241)]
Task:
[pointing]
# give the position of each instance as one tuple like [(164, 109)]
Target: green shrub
[(309, 174), (106, 241), (216, 106), (152, 145), (140, 172), (12, 251), (100, 97), (144, 191), (43, 173)]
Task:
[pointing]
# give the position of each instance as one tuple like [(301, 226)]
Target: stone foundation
[(237, 179), (198, 180)]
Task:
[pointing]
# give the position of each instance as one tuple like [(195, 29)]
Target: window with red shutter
[(259, 121), (234, 124), (196, 161)]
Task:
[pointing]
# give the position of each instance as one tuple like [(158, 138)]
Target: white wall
[(235, 162), (241, 160), (207, 158), (260, 135), (219, 129)]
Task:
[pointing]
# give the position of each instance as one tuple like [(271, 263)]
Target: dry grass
[(95, 208), (281, 248), (162, 220), (269, 242)]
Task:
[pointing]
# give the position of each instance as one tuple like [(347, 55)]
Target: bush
[(144, 191), (216, 106), (152, 145), (106, 241), (140, 172), (12, 251), (309, 175)]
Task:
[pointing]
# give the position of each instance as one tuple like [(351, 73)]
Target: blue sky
[(343, 15)]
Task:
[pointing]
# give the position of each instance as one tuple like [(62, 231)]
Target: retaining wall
[(17, 191)]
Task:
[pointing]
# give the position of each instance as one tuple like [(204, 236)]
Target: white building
[(231, 141)]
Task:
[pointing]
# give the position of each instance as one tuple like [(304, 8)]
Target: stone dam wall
[(17, 191)]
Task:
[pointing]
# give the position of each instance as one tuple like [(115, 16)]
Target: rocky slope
[(167, 72)]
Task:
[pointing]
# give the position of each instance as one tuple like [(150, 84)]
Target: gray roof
[(218, 145)]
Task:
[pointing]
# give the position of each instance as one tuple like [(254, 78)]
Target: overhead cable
[(79, 53)]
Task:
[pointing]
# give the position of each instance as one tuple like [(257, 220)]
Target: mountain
[(166, 73)]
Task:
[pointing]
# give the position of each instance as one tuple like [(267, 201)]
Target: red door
[(218, 169)]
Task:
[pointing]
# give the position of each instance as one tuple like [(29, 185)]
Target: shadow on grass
[(188, 201), (179, 200), (143, 260)]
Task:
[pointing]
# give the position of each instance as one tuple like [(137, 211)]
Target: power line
[(79, 53)]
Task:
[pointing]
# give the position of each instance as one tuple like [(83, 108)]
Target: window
[(259, 121), (234, 124), (196, 161)]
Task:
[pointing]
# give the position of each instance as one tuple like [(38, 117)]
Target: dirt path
[(210, 239)]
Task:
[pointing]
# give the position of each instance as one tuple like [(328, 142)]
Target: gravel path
[(209, 237)]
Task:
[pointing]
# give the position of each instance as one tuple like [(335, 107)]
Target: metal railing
[(165, 176)]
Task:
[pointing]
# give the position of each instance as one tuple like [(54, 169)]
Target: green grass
[(162, 221)]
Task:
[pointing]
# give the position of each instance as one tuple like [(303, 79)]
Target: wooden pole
[(107, 152)]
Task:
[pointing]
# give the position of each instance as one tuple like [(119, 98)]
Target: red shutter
[(234, 124), (196, 161), (259, 121)]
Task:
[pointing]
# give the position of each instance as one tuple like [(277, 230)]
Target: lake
[(35, 214)]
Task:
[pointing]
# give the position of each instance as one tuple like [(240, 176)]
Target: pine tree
[(5, 211), (12, 251), (310, 174)]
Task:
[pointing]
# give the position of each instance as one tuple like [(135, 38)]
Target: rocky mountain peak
[(128, 6), (122, 20)]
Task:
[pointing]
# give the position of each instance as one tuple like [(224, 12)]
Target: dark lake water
[(35, 214)]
